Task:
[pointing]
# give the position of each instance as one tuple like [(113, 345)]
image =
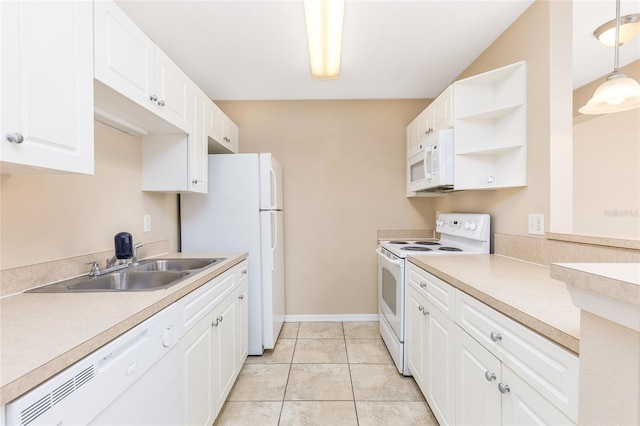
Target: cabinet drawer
[(438, 292), (242, 272), (548, 368), (197, 304)]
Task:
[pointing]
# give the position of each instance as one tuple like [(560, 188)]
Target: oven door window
[(389, 290)]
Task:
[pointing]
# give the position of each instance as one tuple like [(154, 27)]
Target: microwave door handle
[(428, 166)]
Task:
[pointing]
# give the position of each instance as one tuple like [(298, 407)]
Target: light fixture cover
[(619, 93), (629, 28), (324, 33)]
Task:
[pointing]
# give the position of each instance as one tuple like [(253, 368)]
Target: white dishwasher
[(132, 380)]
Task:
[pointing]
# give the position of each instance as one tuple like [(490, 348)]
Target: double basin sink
[(146, 275)]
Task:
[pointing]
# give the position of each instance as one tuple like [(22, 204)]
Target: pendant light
[(619, 93)]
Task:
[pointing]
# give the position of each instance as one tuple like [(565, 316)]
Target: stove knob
[(467, 225), (473, 226), (439, 222)]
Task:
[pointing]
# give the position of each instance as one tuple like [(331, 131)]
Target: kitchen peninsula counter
[(41, 334), (520, 290)]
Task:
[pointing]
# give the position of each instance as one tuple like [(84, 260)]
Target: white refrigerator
[(242, 212)]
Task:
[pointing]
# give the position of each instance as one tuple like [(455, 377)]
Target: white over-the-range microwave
[(430, 163)]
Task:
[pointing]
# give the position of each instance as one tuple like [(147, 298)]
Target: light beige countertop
[(618, 281), (41, 334), (520, 290)]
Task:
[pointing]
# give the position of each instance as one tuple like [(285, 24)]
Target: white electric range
[(460, 234)]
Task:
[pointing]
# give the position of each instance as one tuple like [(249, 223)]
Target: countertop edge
[(35, 377), (568, 341)]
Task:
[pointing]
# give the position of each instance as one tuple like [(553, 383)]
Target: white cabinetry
[(490, 122), (476, 366), (223, 132), (213, 348), (46, 86), (431, 343), (127, 61)]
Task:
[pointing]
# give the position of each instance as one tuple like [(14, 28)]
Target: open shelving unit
[(490, 122)]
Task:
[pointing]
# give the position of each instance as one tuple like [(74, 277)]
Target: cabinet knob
[(161, 103), (503, 388), (241, 297), (15, 137), (423, 284), (195, 181), (244, 272), (217, 321), (489, 375), (423, 310), (153, 98), (495, 336)]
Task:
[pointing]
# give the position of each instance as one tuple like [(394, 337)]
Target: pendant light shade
[(324, 33), (619, 93)]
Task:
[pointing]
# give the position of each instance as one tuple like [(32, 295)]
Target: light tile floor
[(329, 373)]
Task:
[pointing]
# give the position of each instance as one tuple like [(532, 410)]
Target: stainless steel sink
[(152, 274), (174, 264)]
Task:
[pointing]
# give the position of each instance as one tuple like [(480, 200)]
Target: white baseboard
[(332, 318)]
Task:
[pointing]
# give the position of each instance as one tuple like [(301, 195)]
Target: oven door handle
[(395, 262)]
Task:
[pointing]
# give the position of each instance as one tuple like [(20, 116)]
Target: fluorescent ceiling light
[(324, 34), (629, 28), (619, 93)]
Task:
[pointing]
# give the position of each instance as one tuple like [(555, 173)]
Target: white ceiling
[(256, 50)]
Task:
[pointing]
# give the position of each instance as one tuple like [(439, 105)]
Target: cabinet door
[(416, 329), (172, 88), (215, 122), (440, 370), (196, 372), (47, 86), (197, 147), (478, 400), (242, 324), (523, 405), (124, 55), (224, 349), (442, 108), (232, 134)]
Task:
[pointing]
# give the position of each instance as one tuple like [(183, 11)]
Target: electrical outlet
[(147, 222), (536, 224)]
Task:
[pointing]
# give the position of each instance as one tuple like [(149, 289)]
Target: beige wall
[(527, 39), (344, 168), (52, 217), (606, 168)]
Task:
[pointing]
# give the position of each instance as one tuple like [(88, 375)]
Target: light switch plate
[(536, 224), (147, 222)]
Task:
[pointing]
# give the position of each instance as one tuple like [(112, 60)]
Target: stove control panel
[(468, 225)]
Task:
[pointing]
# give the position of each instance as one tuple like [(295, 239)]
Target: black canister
[(123, 242)]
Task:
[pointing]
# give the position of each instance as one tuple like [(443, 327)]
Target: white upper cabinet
[(223, 133), (490, 122), (46, 86), (127, 61)]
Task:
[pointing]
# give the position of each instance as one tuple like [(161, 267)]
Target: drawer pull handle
[(423, 284), (423, 310), (495, 336), (503, 388), (489, 375)]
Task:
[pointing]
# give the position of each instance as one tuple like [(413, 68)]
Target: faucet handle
[(95, 268)]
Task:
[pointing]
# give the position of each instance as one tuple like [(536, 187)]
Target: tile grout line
[(355, 407), (286, 385)]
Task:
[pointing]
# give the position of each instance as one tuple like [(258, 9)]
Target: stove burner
[(427, 243), (413, 248), (398, 242), (450, 249)]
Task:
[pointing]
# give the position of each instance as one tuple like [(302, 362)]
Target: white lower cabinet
[(431, 336), (212, 351), (477, 366)]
